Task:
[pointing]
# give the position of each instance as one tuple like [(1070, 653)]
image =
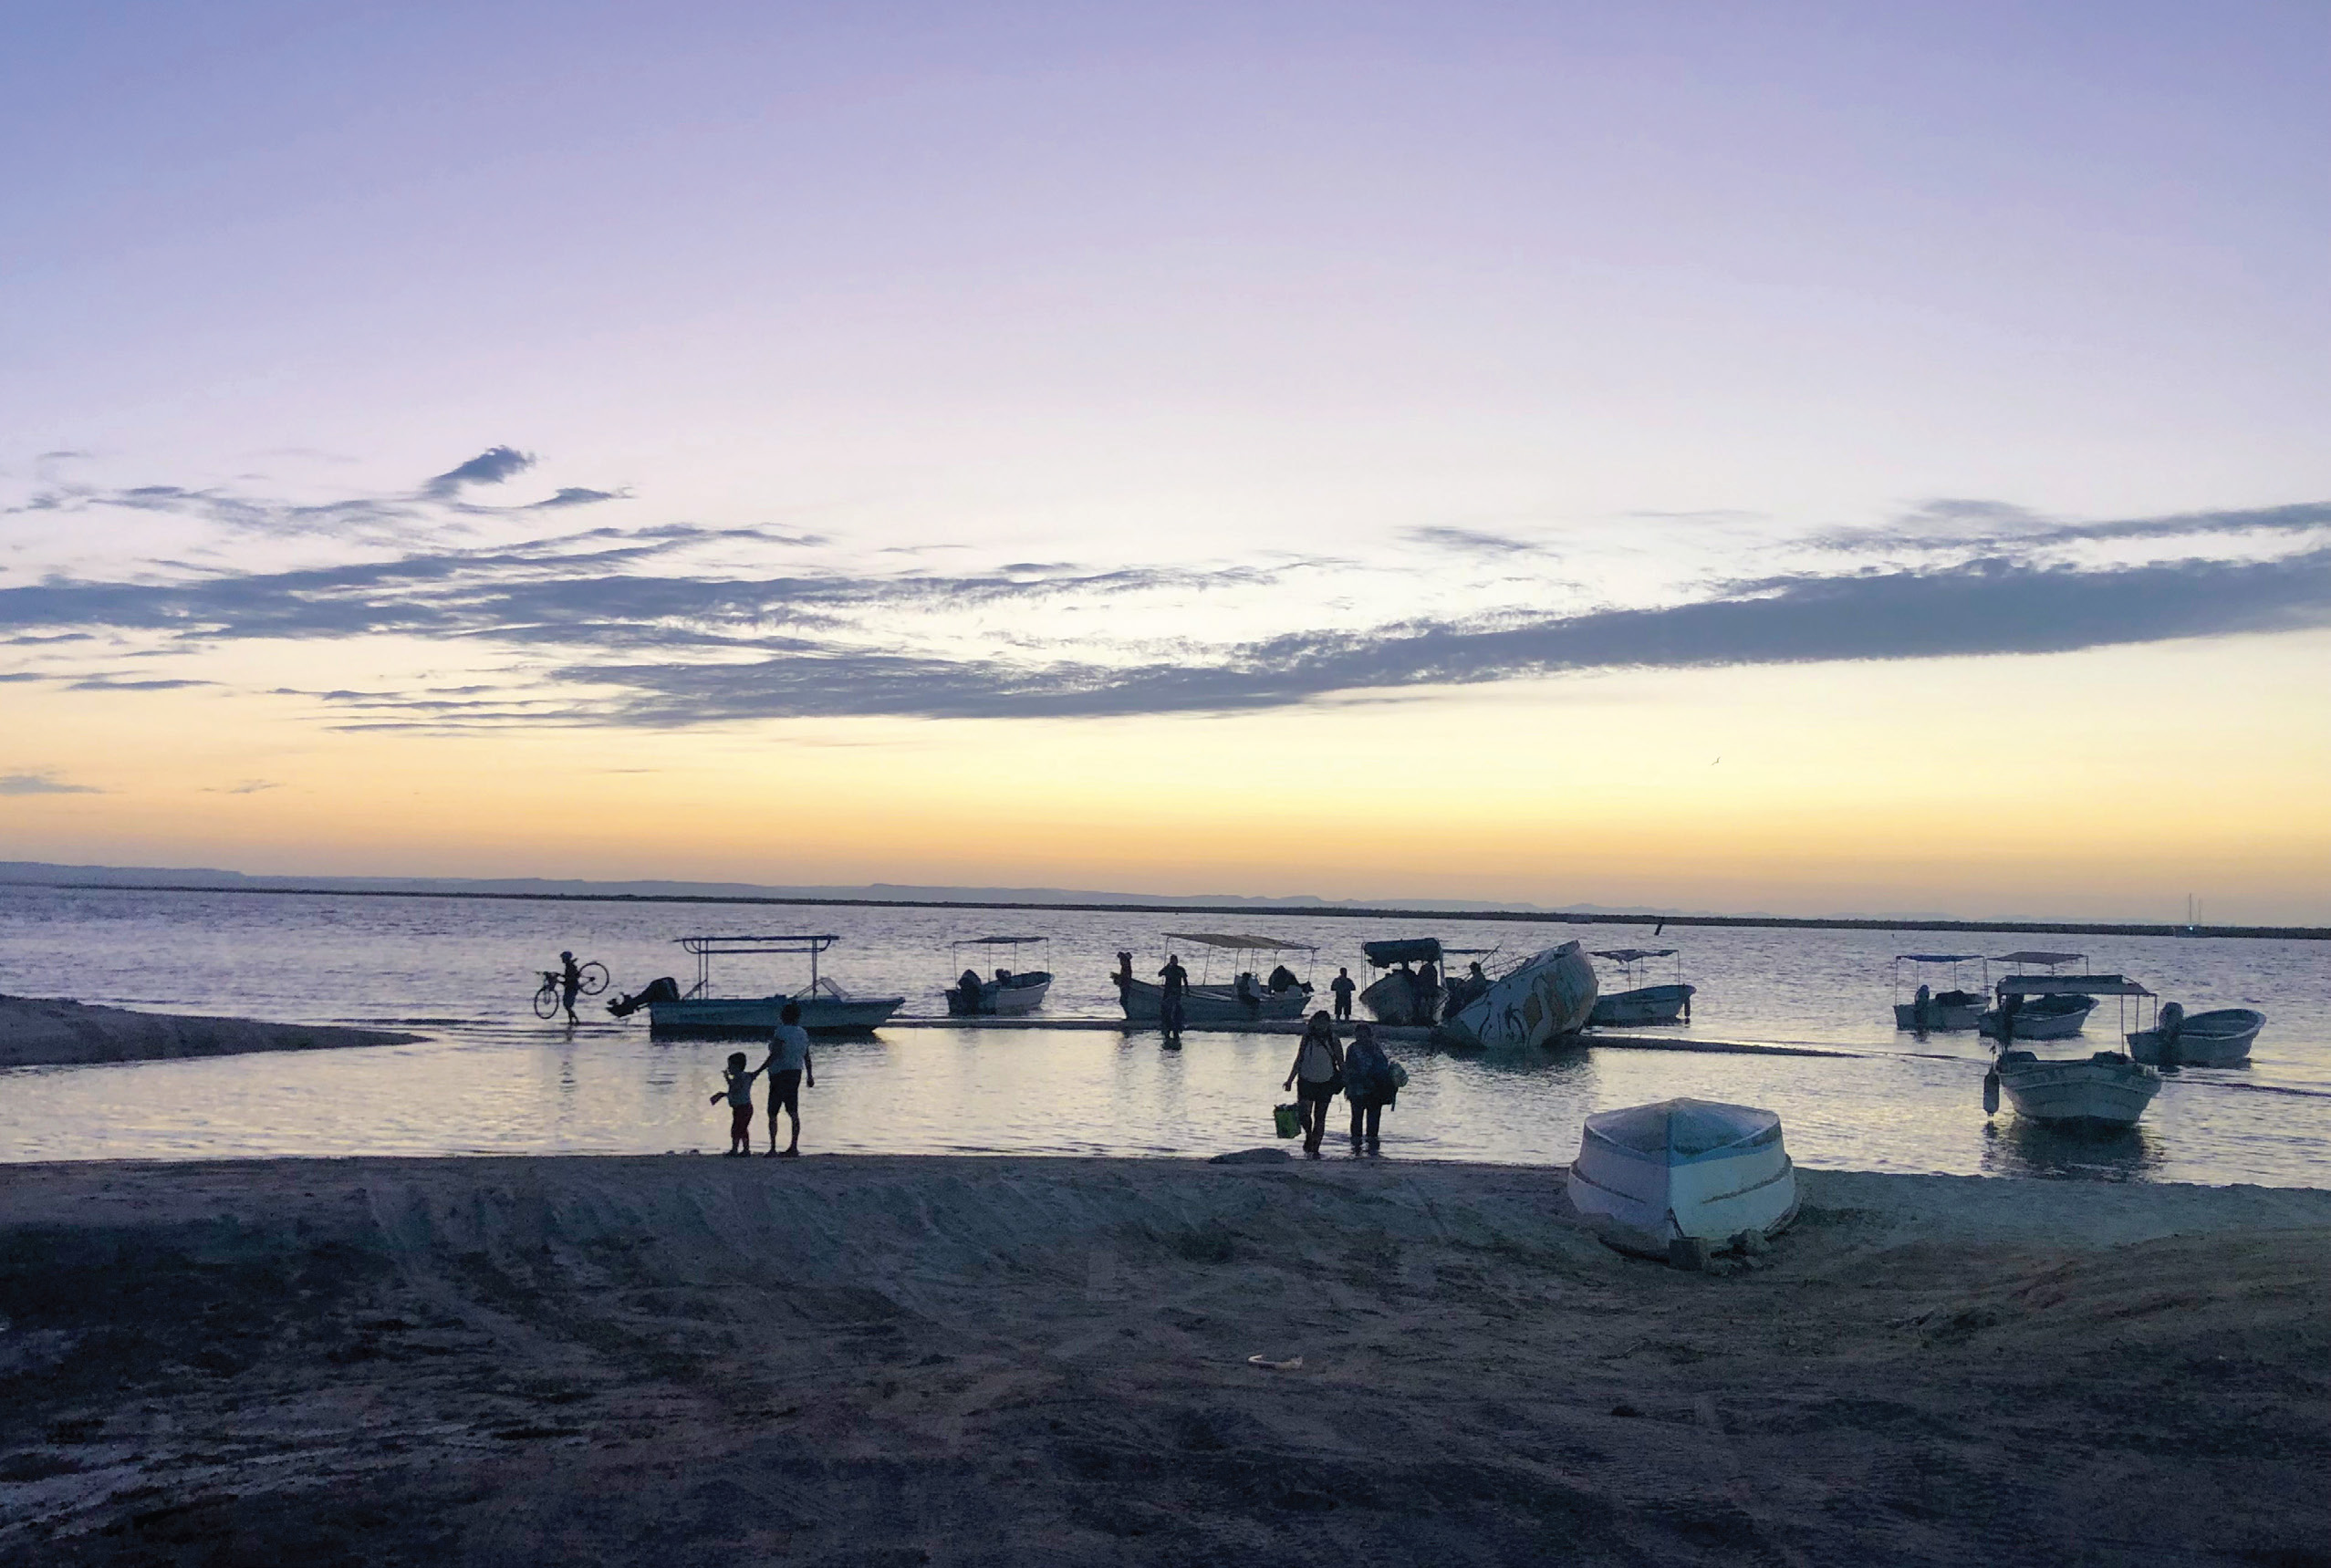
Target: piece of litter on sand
[(1294, 1364)]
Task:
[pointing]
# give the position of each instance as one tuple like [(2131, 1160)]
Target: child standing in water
[(740, 1102)]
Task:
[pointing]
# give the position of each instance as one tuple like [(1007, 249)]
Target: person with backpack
[(1368, 1085), (1319, 1064)]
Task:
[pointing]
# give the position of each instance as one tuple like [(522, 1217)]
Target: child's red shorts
[(740, 1121)]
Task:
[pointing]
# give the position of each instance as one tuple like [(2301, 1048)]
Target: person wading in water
[(1173, 981), (1320, 1064)]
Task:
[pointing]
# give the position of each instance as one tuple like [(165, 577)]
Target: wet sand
[(37, 1032), (893, 1360)]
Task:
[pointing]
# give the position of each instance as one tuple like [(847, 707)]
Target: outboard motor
[(663, 989)]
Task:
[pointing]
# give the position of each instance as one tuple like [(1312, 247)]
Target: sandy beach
[(37, 1031), (893, 1360)]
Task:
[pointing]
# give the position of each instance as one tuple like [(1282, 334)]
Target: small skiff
[(2220, 1038), (2106, 1090), (1682, 1170), (1543, 1001), (2044, 1017)]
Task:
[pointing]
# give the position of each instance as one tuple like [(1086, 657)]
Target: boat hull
[(2218, 1039), (1640, 1199), (754, 1017), (1021, 993), (1210, 1005), (1950, 1010), (2055, 1022), (2106, 1091), (1545, 1000), (1645, 1004), (1391, 999)]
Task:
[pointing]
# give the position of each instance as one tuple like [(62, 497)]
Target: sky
[(1802, 458)]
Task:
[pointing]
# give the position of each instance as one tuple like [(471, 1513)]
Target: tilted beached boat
[(826, 1007), (1007, 992), (1541, 1002), (1682, 1170), (2219, 1038), (1246, 999), (2106, 1090), (1634, 1004), (1952, 1007)]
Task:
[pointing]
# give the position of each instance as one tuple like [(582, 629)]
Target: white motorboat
[(700, 1013), (1639, 1004), (1649, 1177), (2219, 1038), (1281, 994), (1541, 1002), (2103, 1090), (1953, 1007), (2050, 1006), (1007, 992)]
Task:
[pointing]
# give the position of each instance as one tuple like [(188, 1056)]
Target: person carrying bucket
[(1320, 1067)]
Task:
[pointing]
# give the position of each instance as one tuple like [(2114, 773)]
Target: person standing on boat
[(570, 983), (1319, 1066), (1428, 990), (789, 1068), (1173, 981), (1343, 987), (1368, 1085)]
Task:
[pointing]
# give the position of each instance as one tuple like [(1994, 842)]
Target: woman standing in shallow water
[(1319, 1064), (1368, 1083)]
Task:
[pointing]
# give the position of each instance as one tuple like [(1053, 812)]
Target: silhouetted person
[(570, 983), (789, 1068), (1368, 1085), (1428, 991), (1319, 1061), (1343, 987), (739, 1095), (1173, 981)]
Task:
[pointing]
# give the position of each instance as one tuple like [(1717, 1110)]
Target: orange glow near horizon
[(1994, 787)]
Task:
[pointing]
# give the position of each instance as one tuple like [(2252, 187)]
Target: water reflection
[(2016, 1146)]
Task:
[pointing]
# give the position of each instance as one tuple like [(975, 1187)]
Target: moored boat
[(1951, 1008), (1540, 1003), (1411, 988), (1247, 997), (1634, 1005), (1682, 1170), (826, 1008), (1007, 992), (2051, 1006), (2221, 1037), (2103, 1090)]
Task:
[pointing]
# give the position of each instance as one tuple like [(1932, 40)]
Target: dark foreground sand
[(875, 1361), (37, 1032)]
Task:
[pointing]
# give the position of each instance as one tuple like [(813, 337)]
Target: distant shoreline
[(1249, 911)]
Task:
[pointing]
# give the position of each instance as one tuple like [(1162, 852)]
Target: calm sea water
[(493, 1079)]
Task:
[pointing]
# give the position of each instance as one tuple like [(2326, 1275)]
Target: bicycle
[(552, 996)]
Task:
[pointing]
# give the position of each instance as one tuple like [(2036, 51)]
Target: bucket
[(1289, 1119)]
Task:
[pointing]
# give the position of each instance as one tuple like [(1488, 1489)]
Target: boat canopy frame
[(1630, 959), (705, 946), (1921, 962), (1232, 941), (2118, 986), (955, 949)]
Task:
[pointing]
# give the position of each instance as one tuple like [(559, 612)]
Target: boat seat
[(2007, 1056)]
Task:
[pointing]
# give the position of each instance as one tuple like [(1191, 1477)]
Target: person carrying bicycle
[(570, 983)]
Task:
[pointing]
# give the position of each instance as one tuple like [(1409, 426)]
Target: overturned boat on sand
[(1650, 1177), (1541, 1002)]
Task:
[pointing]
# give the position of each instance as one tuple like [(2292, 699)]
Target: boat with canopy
[(1951, 1008), (702, 1014), (1006, 992), (1397, 994), (2105, 1089), (1641, 1004), (1244, 998), (2048, 1006)]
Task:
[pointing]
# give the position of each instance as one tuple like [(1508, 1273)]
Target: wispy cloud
[(492, 466), (42, 783)]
